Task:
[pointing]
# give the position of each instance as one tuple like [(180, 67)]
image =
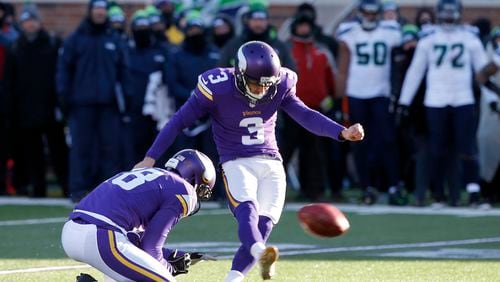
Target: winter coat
[(30, 80), (90, 64), (142, 63), (183, 69), (314, 67)]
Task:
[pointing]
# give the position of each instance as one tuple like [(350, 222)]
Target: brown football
[(323, 220)]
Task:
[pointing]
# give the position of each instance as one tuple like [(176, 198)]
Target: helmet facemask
[(197, 169), (449, 12), (369, 14)]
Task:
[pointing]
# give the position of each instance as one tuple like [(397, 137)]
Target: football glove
[(179, 262), (196, 257)]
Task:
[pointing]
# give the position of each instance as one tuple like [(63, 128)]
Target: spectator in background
[(448, 58), (145, 57), (412, 130), (222, 30), (157, 27), (32, 101), (489, 123), (195, 56), (425, 19), (167, 9), (118, 21), (90, 66), (6, 38), (7, 28), (364, 77), (309, 11), (256, 27), (483, 26), (315, 88)]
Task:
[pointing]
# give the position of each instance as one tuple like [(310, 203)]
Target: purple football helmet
[(258, 63), (196, 168)]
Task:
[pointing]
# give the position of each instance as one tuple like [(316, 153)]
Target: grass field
[(399, 244)]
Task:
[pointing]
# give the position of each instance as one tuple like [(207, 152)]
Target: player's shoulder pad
[(473, 30), (213, 81), (426, 33), (288, 78), (390, 25), (345, 28)]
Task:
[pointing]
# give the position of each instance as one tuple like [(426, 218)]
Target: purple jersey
[(239, 128), (149, 198)]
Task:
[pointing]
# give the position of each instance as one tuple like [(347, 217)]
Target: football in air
[(323, 220)]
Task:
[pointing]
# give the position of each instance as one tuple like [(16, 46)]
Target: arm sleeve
[(478, 54), (310, 119), (192, 110), (156, 234), (414, 75)]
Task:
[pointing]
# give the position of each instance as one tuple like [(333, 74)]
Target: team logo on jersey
[(159, 58), (110, 46), (251, 113)]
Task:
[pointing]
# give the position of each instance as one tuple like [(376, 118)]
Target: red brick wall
[(64, 18)]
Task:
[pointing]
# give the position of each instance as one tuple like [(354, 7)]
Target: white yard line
[(209, 207), (302, 252), (40, 269), (33, 221)]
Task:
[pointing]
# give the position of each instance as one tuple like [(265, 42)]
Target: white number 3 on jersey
[(255, 126)]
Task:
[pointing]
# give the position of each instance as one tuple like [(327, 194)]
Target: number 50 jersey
[(370, 58)]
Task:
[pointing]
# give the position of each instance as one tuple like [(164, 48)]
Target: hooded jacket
[(315, 71)]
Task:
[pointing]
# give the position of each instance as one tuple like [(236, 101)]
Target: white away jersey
[(448, 55), (369, 67)]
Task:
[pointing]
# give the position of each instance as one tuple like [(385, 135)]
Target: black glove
[(196, 257), (180, 263), (494, 107), (83, 277), (402, 115)]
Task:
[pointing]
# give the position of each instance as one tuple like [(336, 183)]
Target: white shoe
[(267, 262)]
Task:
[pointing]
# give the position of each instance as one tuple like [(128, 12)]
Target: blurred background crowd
[(78, 107)]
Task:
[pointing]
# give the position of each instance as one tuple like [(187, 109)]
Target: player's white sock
[(234, 276), (257, 249)]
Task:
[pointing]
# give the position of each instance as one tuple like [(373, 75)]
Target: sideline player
[(121, 226), (365, 52), (242, 103), (447, 56)]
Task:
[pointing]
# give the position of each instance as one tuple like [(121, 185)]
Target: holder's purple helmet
[(196, 168), (256, 61)]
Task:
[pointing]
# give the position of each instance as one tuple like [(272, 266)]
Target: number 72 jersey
[(448, 57)]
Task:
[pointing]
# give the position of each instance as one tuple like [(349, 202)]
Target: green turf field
[(404, 244)]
